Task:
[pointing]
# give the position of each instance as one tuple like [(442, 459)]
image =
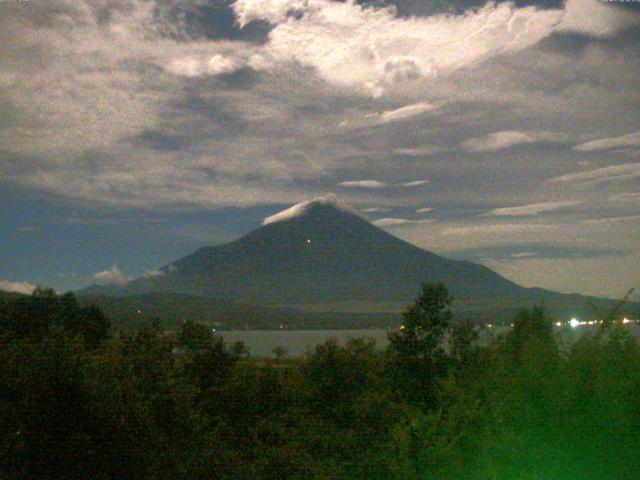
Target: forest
[(79, 400)]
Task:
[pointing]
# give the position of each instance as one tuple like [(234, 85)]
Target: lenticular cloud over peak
[(302, 208)]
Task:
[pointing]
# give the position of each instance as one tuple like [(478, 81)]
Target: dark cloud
[(158, 140), (215, 20), (409, 8)]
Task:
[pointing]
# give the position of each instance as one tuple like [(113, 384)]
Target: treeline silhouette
[(77, 402)]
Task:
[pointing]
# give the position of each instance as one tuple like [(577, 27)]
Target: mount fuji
[(322, 256)]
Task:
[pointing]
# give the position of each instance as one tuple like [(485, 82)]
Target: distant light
[(626, 320), (558, 324), (281, 326), (574, 323), (489, 325), (512, 325), (213, 330), (138, 312), (308, 240), (401, 327)]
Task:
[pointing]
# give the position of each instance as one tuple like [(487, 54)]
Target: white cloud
[(394, 222), (630, 140), (415, 183), (373, 184), (523, 254), (422, 151), (194, 67), (378, 185), (406, 112), (112, 276), (274, 11), (17, 287), (400, 114), (596, 18), (371, 48), (528, 210), (302, 207), (424, 210), (375, 209), (616, 172), (153, 273), (505, 139)]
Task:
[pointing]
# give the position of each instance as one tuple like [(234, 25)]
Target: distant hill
[(322, 257)]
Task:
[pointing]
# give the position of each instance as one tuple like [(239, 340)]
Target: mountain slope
[(322, 254), (319, 252)]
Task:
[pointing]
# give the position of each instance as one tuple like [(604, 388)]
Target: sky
[(134, 131)]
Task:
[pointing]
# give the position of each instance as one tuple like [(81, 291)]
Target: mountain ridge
[(321, 252)]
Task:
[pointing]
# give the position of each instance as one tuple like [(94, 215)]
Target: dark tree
[(418, 356), (279, 352), (529, 326)]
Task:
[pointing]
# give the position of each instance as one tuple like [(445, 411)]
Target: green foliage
[(153, 404), (425, 323), (31, 317), (419, 356), (530, 325)]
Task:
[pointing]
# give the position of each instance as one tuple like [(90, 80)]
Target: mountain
[(322, 256)]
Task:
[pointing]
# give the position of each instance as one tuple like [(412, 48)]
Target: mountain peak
[(304, 208)]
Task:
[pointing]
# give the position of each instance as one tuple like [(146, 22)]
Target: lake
[(298, 342)]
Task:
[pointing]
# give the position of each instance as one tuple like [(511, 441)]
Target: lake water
[(298, 342)]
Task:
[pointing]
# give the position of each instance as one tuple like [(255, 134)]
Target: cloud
[(523, 254), (375, 209), (496, 229), (616, 172), (528, 210), (394, 222), (302, 207), (371, 48), (605, 220), (408, 111), (415, 183), (153, 273), (17, 287), (372, 184), (404, 113), (422, 151), (378, 185), (193, 66), (113, 276), (509, 138), (629, 197), (630, 140), (596, 18), (424, 210)]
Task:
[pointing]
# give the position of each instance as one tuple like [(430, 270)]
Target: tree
[(240, 349), (530, 326), (34, 316), (279, 352), (463, 339), (418, 356)]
